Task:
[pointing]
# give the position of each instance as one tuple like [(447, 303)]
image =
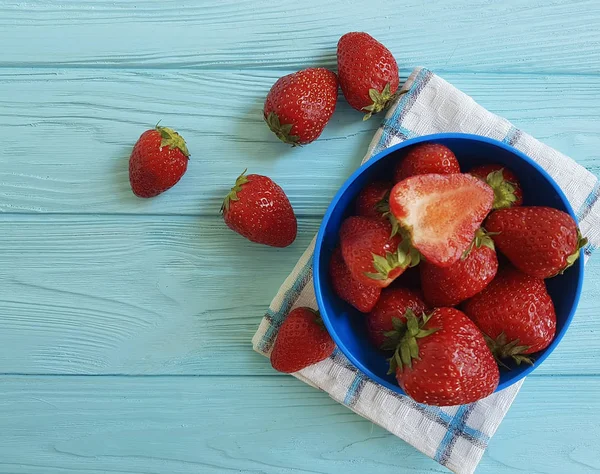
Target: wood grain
[(450, 35), (67, 152), (55, 425), (171, 295)]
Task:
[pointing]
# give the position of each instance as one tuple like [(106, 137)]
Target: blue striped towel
[(456, 437)]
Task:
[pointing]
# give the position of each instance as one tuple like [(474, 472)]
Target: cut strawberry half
[(441, 213)]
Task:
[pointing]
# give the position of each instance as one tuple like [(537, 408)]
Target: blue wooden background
[(125, 324)]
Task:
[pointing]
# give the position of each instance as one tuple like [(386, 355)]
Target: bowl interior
[(347, 325)]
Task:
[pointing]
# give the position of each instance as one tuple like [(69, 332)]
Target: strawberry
[(448, 286), (158, 161), (426, 158), (372, 255), (371, 198), (359, 295), (441, 213), (393, 304), (299, 105), (259, 210), (539, 241), (302, 341), (515, 313), (506, 186), (368, 73), (443, 359)]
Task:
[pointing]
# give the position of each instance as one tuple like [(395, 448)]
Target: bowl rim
[(381, 155)]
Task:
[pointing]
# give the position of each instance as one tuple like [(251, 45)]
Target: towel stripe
[(589, 202), (454, 430), (404, 105), (275, 318)]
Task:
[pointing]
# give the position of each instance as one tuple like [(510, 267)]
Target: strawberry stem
[(502, 349), (381, 100), (383, 206), (172, 139), (232, 195), (405, 256), (504, 191), (406, 339), (283, 131), (571, 259), (482, 238)]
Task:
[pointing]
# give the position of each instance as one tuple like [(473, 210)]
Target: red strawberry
[(302, 341), (158, 161), (259, 210), (443, 360), (359, 295), (299, 105), (427, 158), (516, 313), (506, 186), (372, 255), (368, 73), (393, 304), (448, 286), (371, 197), (441, 213), (539, 241)]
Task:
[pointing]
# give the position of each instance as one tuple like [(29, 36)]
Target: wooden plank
[(176, 295), (449, 34), (68, 154), (135, 295), (54, 425)]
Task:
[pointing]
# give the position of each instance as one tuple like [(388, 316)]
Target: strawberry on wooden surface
[(426, 158), (372, 254), (516, 313), (367, 71), (393, 304), (299, 105), (441, 213), (506, 186), (371, 198), (539, 241), (158, 161), (302, 340), (362, 297), (448, 286), (259, 210), (443, 360)]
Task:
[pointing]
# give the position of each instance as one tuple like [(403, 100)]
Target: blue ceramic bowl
[(347, 326)]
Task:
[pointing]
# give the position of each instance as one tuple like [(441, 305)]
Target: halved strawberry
[(441, 213), (372, 254)]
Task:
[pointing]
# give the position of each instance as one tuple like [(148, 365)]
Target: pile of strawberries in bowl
[(448, 267)]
